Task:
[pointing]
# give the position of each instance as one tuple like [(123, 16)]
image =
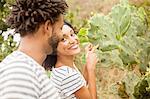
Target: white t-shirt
[(21, 77), (67, 80)]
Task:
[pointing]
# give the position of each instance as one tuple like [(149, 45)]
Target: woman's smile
[(74, 47)]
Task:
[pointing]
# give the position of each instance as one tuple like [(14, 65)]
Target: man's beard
[(53, 42)]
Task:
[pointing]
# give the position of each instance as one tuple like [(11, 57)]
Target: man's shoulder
[(15, 65), (17, 60), (13, 57), (17, 57)]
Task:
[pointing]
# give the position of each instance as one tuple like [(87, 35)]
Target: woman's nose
[(72, 40)]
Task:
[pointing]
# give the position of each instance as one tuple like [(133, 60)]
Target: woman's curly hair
[(28, 15)]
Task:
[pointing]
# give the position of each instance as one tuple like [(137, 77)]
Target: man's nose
[(60, 36)]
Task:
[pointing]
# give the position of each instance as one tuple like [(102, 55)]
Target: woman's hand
[(91, 60), (91, 57)]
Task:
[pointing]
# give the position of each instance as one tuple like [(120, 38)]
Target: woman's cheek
[(66, 43)]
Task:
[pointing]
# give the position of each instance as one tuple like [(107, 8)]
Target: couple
[(44, 38)]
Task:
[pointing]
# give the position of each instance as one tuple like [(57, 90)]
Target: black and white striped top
[(23, 78), (67, 80)]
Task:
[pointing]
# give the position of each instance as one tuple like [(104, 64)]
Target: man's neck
[(32, 49)]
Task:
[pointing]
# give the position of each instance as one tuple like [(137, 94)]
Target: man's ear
[(48, 28)]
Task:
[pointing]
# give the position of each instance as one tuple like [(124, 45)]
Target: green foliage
[(130, 80), (4, 12), (142, 89), (2, 2), (7, 46), (123, 40), (76, 22), (48, 73), (121, 36)]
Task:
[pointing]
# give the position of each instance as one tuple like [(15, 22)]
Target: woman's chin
[(75, 52)]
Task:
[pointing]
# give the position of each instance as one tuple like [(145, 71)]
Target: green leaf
[(109, 48), (127, 59), (83, 32)]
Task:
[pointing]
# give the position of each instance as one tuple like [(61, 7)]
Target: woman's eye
[(72, 34), (63, 39)]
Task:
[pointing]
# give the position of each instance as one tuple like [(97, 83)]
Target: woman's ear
[(48, 28)]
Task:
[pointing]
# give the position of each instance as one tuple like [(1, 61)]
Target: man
[(39, 23)]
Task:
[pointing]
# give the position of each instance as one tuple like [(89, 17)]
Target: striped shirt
[(21, 77), (67, 80)]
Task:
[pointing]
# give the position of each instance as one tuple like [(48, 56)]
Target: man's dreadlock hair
[(28, 15)]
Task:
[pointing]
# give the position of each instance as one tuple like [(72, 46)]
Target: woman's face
[(69, 45)]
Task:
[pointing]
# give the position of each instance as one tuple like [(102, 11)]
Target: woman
[(65, 76)]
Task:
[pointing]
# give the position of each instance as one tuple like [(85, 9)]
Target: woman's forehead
[(66, 29)]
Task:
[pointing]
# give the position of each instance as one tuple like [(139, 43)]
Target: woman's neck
[(65, 61)]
